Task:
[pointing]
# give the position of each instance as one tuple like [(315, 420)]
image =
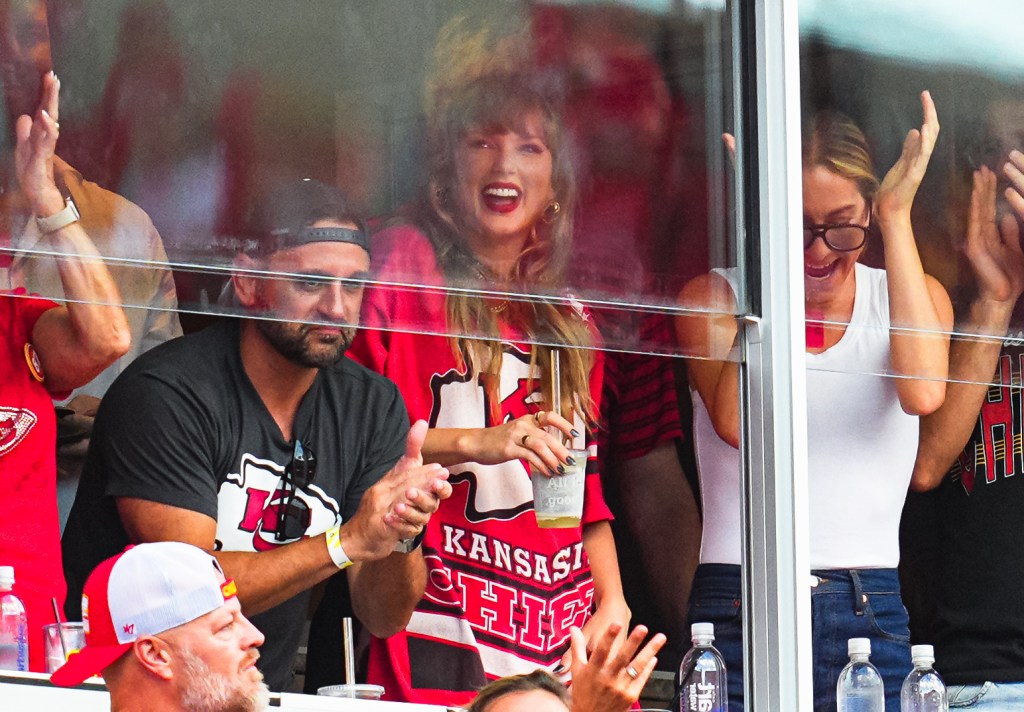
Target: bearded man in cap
[(165, 629)]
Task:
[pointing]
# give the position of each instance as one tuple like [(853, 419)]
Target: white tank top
[(861, 448)]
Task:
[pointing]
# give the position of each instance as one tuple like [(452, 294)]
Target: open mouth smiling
[(502, 197)]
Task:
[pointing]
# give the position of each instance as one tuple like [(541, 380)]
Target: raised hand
[(35, 150), (896, 194), (612, 677), (993, 249)]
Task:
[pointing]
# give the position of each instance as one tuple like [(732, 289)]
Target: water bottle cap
[(6, 576), (858, 646), (703, 630), (922, 653)]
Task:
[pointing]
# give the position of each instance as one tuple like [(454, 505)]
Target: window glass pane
[(533, 179), (197, 111), (913, 382)]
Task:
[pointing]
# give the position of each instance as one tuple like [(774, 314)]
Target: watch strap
[(60, 219), (406, 546)]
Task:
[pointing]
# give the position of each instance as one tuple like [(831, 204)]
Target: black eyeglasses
[(844, 237), (293, 515)]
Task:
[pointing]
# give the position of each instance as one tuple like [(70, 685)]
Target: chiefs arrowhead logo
[(15, 424), (35, 366)]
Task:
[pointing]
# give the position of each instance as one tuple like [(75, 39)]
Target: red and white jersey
[(501, 592), (29, 523)]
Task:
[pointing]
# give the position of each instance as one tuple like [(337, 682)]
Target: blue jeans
[(715, 598), (1001, 696), (858, 603), (845, 604)]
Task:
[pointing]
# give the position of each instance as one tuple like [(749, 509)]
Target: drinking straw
[(60, 628), (556, 383), (350, 655)]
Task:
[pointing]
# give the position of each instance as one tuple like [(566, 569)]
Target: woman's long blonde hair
[(500, 93)]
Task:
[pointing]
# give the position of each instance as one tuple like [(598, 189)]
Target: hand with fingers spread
[(35, 151), (399, 506), (993, 244), (612, 677), (525, 438), (896, 194), (607, 614)]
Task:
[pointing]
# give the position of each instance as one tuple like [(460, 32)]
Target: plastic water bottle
[(860, 687), (923, 690), (703, 674), (13, 625)]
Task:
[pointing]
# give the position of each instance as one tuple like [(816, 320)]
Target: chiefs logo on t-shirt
[(15, 424), (248, 502)]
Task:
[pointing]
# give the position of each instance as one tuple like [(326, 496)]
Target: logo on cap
[(228, 589)]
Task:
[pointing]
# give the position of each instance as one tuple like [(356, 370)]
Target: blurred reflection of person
[(47, 351), (862, 429), (970, 450), (502, 593), (118, 229)]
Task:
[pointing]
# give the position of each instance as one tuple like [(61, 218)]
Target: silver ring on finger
[(523, 440), (631, 671)]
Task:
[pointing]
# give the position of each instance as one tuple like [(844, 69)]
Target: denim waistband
[(857, 580), (821, 581)]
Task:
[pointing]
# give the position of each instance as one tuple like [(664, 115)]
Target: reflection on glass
[(957, 565), (193, 116)]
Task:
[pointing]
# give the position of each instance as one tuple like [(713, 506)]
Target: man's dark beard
[(294, 344)]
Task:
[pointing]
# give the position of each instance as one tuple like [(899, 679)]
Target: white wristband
[(338, 555)]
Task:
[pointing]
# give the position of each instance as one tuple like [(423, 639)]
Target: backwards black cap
[(286, 216)]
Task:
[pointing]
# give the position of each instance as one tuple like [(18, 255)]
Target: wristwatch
[(406, 546), (59, 219)]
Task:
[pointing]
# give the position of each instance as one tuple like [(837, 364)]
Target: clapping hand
[(36, 148), (400, 504), (896, 194), (1014, 170), (993, 245)]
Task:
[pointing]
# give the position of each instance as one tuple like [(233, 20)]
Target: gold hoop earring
[(551, 212)]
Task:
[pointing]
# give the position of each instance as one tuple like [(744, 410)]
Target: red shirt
[(29, 523), (501, 592)]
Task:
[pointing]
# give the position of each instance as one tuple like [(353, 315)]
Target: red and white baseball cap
[(145, 590)]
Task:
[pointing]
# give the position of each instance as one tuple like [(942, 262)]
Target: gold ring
[(631, 671), (524, 439), (536, 417)]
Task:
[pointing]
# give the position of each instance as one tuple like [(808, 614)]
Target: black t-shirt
[(979, 623), (184, 426)]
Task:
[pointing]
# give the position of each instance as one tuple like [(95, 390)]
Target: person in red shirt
[(47, 350), (474, 360)]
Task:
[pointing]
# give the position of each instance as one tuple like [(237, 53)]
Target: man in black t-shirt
[(970, 449), (257, 440)]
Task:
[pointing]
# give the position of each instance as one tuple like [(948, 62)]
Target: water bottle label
[(702, 696), (702, 690)]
